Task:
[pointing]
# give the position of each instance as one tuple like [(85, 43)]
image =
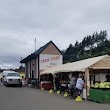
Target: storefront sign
[(48, 61)]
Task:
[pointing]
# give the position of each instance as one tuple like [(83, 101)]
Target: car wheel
[(20, 85), (1, 80), (6, 85)]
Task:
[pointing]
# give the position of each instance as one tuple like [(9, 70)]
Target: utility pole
[(35, 44), (21, 63)]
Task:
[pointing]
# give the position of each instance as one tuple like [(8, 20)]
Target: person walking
[(79, 86)]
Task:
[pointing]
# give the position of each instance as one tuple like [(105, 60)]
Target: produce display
[(101, 85), (51, 91), (100, 95)]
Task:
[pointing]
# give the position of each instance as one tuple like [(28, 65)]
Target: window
[(13, 74)]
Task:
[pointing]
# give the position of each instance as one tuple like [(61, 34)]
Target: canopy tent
[(53, 70), (79, 66)]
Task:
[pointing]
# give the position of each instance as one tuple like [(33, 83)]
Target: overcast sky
[(62, 21)]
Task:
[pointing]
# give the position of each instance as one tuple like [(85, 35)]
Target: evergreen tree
[(76, 44), (98, 44), (69, 50)]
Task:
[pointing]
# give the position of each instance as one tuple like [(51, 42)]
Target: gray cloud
[(63, 21)]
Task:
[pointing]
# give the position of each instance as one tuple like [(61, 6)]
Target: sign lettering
[(48, 61)]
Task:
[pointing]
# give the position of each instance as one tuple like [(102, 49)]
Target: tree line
[(92, 45)]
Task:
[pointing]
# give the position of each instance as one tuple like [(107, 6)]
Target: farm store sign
[(48, 61)]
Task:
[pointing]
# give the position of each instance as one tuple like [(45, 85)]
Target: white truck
[(11, 78)]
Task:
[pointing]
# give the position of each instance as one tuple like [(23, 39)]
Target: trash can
[(34, 83)]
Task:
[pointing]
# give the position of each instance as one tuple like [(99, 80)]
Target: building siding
[(33, 65), (51, 49)]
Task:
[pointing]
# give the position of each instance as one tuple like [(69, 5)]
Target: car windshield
[(13, 74)]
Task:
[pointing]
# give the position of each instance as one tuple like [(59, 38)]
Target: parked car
[(12, 78), (4, 73)]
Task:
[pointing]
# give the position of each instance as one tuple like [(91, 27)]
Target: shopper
[(79, 85), (23, 81), (72, 86), (57, 84)]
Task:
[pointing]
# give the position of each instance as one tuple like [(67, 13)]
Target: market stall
[(100, 86), (95, 70), (101, 95)]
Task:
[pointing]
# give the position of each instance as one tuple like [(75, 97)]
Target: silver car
[(12, 79)]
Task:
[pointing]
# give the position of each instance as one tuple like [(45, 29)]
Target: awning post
[(87, 78)]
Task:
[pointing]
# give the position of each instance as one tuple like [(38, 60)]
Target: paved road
[(16, 98)]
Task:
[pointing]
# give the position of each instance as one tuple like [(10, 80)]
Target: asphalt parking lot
[(16, 98)]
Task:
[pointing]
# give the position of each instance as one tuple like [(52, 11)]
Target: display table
[(64, 86), (47, 85), (100, 95)]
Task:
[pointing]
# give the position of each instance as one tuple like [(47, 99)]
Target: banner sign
[(48, 61)]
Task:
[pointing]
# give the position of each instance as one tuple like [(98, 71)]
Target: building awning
[(53, 70), (28, 58), (78, 66)]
